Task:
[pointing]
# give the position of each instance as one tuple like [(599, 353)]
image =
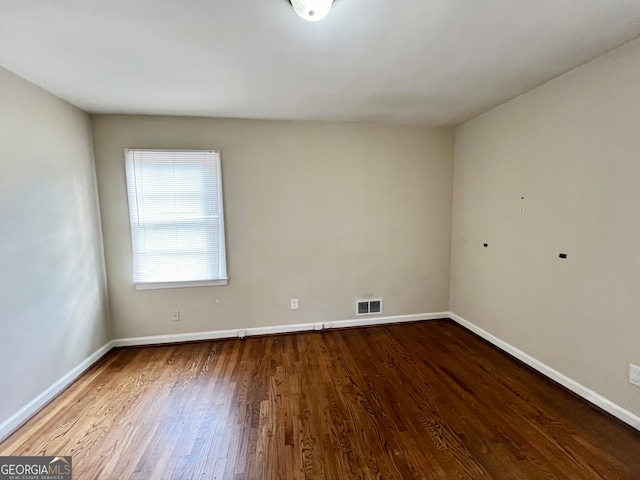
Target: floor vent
[(369, 307)]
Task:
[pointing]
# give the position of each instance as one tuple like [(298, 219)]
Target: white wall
[(571, 148), (52, 286), (327, 213)]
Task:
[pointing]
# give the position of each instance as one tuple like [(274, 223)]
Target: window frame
[(224, 278)]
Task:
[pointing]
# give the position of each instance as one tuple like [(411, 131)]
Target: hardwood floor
[(417, 401)]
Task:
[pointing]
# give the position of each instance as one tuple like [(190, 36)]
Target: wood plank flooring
[(417, 401)]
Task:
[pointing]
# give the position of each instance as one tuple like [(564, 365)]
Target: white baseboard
[(19, 418), (586, 393), (301, 327), (25, 413)]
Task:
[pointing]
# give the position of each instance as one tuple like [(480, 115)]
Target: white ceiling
[(430, 62)]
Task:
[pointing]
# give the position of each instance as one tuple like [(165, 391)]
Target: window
[(176, 214)]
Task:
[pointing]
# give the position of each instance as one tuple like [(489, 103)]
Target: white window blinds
[(176, 214)]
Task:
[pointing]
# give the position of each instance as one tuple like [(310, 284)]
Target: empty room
[(319, 239)]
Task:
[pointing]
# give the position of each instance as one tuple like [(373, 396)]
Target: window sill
[(202, 283)]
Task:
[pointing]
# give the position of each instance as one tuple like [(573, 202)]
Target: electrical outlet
[(634, 374), (175, 315), (294, 304)]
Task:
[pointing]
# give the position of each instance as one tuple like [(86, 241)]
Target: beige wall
[(571, 148), (327, 213), (52, 287)]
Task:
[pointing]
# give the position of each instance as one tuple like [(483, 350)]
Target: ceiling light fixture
[(312, 10)]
